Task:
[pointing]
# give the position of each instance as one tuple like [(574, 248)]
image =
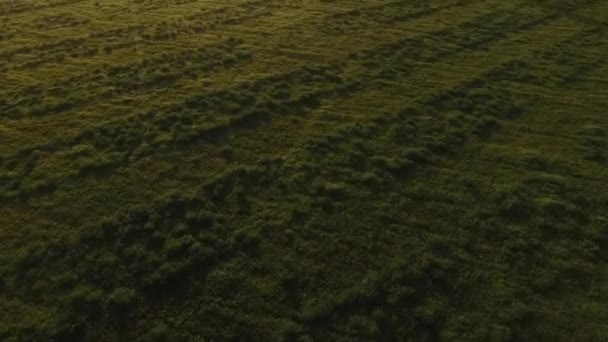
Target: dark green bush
[(87, 300), (516, 207), (121, 301), (159, 333)]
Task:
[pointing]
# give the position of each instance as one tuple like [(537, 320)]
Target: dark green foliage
[(160, 333), (87, 301), (303, 170), (121, 300)]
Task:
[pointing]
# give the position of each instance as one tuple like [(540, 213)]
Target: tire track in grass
[(20, 7), (161, 71)]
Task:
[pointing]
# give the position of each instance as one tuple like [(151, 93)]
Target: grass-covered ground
[(322, 170)]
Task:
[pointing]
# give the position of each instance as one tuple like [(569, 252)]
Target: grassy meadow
[(303, 170)]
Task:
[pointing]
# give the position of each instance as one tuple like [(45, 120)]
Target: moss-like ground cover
[(323, 170)]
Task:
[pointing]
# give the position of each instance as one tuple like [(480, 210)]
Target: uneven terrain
[(321, 170)]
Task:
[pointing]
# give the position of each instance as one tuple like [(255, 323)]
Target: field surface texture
[(303, 170)]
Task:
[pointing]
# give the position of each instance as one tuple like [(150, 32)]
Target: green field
[(304, 170)]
